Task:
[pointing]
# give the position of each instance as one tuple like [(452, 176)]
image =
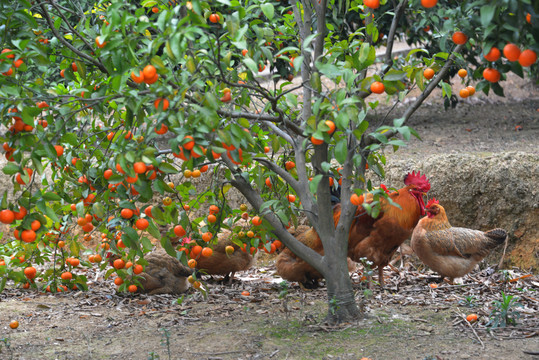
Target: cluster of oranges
[(16, 63), (147, 75)]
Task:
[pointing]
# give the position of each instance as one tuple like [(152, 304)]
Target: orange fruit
[(35, 225), (331, 126), (356, 200), (207, 236), (459, 38), (245, 293), (128, 264), (59, 150), (189, 145), (148, 211), (244, 52), (266, 149), (14, 324), (464, 93), (118, 281), (132, 288), (66, 275), (155, 9), (256, 220), (162, 130), (433, 286), (30, 272), (127, 213), (139, 167), (107, 174), (167, 201), (137, 78), (278, 244), (179, 230), (19, 179), (529, 18), (429, 3), (118, 264), (207, 252), (196, 173), (28, 236), (229, 250), (289, 165), (19, 215), (61, 244), (491, 75), (227, 96), (192, 263), (137, 269), (97, 258), (250, 234), (186, 207), (214, 209), (214, 18), (75, 262), (100, 44), (149, 72), (157, 102), (268, 182), (377, 87), (527, 58), (493, 55), (10, 56), (471, 318), (511, 52), (470, 89), (428, 73), (373, 4), (212, 218), (291, 198), (152, 80), (142, 224), (7, 216), (197, 284), (462, 73), (316, 141)]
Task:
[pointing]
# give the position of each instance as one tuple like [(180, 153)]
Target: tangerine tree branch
[(369, 140)]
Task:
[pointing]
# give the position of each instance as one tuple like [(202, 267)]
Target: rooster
[(451, 251), (376, 239)]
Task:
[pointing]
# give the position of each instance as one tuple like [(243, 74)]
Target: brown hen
[(451, 251)]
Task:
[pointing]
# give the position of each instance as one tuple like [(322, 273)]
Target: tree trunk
[(342, 306)]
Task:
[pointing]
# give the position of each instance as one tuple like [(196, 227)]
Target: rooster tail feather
[(498, 235)]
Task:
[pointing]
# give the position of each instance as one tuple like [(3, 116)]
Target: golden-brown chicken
[(376, 239), (451, 251), (164, 274), (220, 263), (293, 268)]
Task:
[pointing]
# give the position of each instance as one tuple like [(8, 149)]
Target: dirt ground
[(409, 320)]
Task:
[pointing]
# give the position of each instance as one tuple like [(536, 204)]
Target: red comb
[(419, 180), (432, 202)]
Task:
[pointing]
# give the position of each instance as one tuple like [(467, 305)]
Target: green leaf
[(10, 169), (341, 150), (268, 10), (487, 14), (167, 168), (51, 214), (251, 65), (49, 196), (394, 75), (313, 184)]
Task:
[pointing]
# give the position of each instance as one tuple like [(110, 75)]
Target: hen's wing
[(464, 243)]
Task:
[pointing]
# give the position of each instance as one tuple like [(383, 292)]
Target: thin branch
[(279, 171), (391, 36)]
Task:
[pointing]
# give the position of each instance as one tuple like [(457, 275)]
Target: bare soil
[(410, 320)]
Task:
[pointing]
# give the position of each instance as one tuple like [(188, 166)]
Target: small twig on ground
[(503, 253), (470, 326), (274, 353), (520, 278)]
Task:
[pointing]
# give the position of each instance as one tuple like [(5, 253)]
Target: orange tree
[(101, 101)]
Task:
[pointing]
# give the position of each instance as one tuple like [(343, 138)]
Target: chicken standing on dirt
[(221, 263), (451, 251), (164, 274), (376, 239)]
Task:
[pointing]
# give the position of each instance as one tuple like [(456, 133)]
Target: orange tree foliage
[(101, 101)]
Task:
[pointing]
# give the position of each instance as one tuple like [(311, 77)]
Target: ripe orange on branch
[(511, 52), (527, 58), (491, 75), (373, 4), (377, 87), (429, 3), (428, 73), (459, 38), (493, 55)]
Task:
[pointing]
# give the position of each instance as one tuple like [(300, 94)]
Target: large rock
[(483, 191)]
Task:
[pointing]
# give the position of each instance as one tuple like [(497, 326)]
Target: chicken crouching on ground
[(221, 263), (451, 251), (164, 274), (375, 239)]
